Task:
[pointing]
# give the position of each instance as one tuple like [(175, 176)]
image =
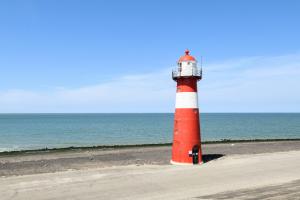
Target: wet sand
[(255, 170)]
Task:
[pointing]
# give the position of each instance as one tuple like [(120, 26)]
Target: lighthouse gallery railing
[(197, 73)]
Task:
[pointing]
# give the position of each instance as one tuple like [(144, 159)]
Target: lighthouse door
[(195, 154)]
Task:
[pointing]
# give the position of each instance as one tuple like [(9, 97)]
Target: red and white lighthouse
[(186, 147)]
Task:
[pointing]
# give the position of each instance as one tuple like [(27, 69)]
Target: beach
[(158, 100), (242, 170)]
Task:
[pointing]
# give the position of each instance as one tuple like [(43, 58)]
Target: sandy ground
[(54, 161), (268, 170)]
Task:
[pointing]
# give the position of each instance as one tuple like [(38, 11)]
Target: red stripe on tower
[(186, 147)]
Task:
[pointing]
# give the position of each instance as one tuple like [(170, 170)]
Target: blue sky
[(117, 56)]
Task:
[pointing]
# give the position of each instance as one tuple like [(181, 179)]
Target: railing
[(197, 73)]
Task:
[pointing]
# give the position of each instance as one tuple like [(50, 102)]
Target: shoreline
[(104, 147)]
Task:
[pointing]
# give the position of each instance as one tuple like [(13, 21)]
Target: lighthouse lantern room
[(186, 147)]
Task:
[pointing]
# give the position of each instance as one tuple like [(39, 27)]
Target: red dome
[(186, 57)]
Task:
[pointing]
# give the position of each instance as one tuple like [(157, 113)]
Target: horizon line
[(147, 113)]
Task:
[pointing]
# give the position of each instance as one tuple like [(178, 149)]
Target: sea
[(39, 131)]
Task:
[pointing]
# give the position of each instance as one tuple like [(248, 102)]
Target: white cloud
[(251, 84), (257, 84), (152, 92)]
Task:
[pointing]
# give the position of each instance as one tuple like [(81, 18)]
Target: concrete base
[(179, 163)]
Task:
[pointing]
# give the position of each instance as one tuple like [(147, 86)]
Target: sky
[(70, 56)]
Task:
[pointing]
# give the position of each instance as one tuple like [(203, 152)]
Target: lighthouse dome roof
[(186, 57)]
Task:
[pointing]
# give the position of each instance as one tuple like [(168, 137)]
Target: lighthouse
[(186, 147)]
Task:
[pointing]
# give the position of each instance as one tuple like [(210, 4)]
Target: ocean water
[(35, 131)]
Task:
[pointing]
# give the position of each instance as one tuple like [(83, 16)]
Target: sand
[(242, 171), (76, 159)]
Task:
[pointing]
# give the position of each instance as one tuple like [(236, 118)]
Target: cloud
[(250, 84), (255, 84), (153, 92)]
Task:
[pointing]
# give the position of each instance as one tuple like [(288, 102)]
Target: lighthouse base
[(182, 163)]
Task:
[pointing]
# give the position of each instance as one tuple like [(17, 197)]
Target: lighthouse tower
[(186, 147)]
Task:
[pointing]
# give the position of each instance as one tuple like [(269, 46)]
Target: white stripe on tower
[(186, 100)]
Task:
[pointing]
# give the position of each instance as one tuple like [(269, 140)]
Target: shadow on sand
[(209, 157)]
